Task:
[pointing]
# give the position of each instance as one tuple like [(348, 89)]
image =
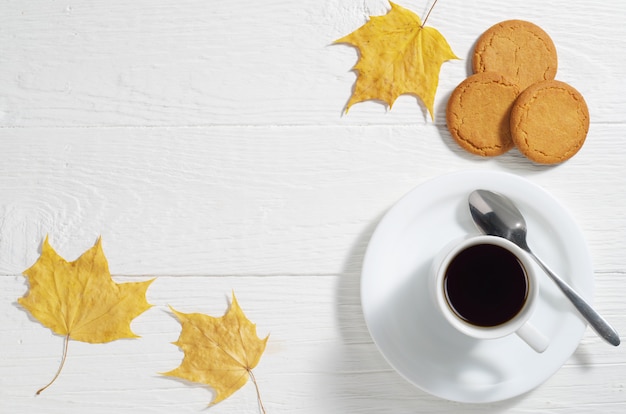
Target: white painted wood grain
[(191, 62), (264, 200), (328, 353), (204, 141)]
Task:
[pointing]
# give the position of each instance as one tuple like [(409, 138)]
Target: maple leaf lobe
[(397, 56)]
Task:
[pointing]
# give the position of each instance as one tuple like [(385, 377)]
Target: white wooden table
[(205, 142)]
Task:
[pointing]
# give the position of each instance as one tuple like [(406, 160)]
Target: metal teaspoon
[(496, 215)]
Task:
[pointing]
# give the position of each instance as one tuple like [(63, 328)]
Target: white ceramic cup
[(447, 267)]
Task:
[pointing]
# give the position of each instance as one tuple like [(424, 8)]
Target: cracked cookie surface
[(520, 50), (549, 122), (478, 113)]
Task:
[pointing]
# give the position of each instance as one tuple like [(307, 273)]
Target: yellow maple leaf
[(398, 55), (79, 300), (219, 351)]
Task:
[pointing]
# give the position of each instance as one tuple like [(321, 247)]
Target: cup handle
[(533, 337)]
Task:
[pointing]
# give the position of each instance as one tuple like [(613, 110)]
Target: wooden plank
[(327, 354), (162, 63), (263, 200)]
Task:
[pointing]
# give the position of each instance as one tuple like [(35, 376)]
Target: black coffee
[(486, 285)]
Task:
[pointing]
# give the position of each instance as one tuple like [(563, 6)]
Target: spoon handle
[(597, 322)]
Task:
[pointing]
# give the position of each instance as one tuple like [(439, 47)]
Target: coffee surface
[(486, 285)]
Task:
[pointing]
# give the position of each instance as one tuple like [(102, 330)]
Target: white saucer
[(409, 331)]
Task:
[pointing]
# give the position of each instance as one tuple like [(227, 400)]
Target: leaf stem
[(428, 14), (258, 394), (65, 346)]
